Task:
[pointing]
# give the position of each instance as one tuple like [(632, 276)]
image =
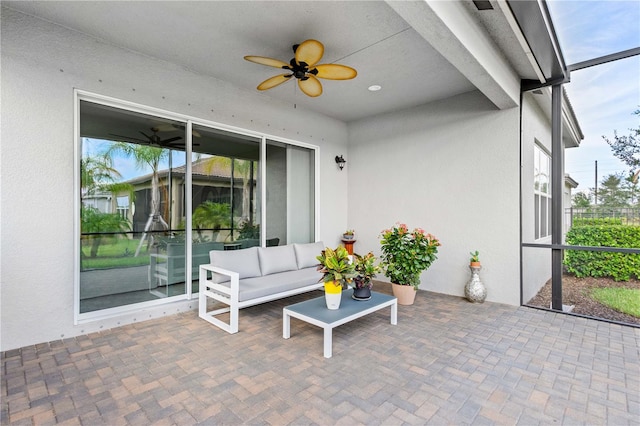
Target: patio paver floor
[(446, 362)]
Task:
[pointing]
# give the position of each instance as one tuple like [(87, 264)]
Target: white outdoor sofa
[(247, 277)]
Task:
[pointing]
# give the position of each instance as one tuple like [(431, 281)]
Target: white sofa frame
[(229, 295)]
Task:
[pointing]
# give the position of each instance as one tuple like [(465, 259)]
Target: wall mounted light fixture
[(340, 161)]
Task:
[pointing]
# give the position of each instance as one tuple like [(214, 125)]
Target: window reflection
[(129, 215)]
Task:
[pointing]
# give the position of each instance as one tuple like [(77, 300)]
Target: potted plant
[(366, 270), (349, 234), (337, 270), (474, 262), (474, 290), (405, 255)]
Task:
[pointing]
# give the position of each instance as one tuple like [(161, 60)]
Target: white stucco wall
[(41, 65), (536, 127), (452, 168)]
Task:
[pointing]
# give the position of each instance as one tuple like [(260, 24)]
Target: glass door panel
[(290, 193), (225, 195), (128, 207)]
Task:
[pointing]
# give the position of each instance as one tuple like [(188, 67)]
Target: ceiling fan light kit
[(303, 67)]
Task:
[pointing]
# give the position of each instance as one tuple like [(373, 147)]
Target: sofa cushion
[(245, 262), (253, 288), (306, 254), (277, 259)]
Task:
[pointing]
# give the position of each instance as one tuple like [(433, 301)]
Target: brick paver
[(446, 362)]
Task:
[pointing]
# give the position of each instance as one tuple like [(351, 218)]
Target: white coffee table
[(315, 312)]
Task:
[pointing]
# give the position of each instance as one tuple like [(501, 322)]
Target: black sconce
[(340, 161)]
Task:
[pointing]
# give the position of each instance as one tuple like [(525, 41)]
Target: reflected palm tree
[(95, 172), (241, 168), (144, 156), (210, 215)]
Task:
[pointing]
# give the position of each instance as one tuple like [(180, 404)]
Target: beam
[(452, 31)]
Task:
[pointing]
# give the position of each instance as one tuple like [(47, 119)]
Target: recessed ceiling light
[(374, 88)]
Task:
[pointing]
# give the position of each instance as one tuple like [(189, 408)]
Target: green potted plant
[(474, 262), (405, 255), (366, 270), (349, 234), (337, 271)]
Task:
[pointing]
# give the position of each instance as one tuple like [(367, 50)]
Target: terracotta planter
[(405, 294), (474, 264)]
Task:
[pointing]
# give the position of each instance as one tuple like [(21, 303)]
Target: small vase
[(362, 293), (405, 294), (332, 295), (475, 291)]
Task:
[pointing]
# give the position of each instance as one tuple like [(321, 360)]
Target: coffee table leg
[(286, 325), (328, 342), (394, 313)]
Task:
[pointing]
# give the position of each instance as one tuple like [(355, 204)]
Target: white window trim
[(540, 151)]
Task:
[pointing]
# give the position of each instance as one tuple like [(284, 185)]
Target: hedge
[(597, 221), (603, 233)]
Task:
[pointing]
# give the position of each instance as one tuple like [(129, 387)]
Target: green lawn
[(625, 300), (115, 253)]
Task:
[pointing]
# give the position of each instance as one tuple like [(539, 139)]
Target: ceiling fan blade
[(168, 127), (180, 145), (165, 127), (166, 141), (147, 136), (128, 138), (274, 81), (335, 72), (270, 62), (310, 87), (309, 52)]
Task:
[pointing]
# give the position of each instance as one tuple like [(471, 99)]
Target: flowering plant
[(406, 254)]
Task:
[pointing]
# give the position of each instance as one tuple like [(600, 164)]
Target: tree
[(96, 173), (96, 223), (210, 215), (581, 200), (611, 193), (242, 168), (632, 189), (144, 155), (627, 148)]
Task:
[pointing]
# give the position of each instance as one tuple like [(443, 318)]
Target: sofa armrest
[(232, 291)]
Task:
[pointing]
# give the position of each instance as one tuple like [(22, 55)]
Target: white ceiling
[(211, 38)]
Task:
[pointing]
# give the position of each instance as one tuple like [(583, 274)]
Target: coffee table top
[(317, 308)]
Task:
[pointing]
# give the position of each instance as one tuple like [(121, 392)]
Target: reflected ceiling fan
[(170, 127), (303, 67), (155, 139)]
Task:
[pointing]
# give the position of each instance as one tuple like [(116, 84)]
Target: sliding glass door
[(159, 192)]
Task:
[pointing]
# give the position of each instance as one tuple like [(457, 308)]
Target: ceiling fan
[(170, 127), (303, 67), (155, 139)]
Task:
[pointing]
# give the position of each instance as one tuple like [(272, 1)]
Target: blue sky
[(126, 165), (603, 97)]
